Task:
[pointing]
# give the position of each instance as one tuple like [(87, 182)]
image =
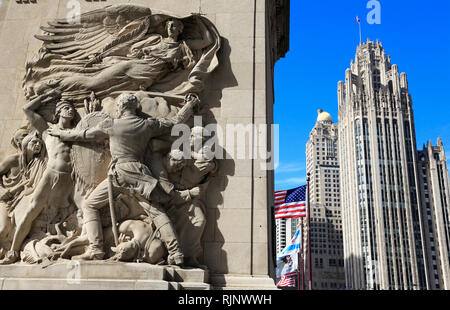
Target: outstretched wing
[(102, 31)]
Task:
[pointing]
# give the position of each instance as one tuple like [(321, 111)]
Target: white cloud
[(292, 181), (290, 167)]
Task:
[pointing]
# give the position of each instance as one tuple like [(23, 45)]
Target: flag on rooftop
[(290, 203)]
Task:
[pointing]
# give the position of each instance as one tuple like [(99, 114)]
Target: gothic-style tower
[(382, 228)]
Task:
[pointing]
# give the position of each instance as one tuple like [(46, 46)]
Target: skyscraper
[(280, 234), (435, 192), (380, 197), (327, 258)]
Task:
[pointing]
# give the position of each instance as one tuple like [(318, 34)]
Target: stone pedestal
[(241, 282), (71, 275)]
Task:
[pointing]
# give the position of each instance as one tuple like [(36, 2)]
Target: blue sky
[(323, 39)]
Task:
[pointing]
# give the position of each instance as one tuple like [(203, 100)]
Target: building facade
[(280, 234), (383, 235), (285, 231), (327, 257), (435, 195)]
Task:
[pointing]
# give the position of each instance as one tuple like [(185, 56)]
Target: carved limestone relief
[(94, 176)]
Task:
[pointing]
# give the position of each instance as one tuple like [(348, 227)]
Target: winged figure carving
[(123, 48)]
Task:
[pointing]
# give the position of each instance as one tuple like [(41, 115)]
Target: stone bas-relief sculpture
[(94, 176), (124, 48)]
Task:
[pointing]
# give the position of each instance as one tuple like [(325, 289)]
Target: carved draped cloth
[(25, 181)]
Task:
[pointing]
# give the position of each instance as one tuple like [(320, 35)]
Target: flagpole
[(298, 270), (360, 36), (298, 262), (309, 235), (359, 25), (301, 256)]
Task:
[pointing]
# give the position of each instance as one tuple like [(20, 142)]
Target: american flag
[(290, 203), (357, 19), (288, 280)]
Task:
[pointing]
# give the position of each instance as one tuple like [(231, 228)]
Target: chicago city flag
[(290, 203)]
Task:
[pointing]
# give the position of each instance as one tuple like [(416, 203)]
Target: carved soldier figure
[(144, 243), (56, 185), (129, 136), (187, 214), (190, 218), (164, 168)]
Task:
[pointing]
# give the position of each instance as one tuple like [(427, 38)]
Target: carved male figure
[(129, 136), (143, 244), (189, 218), (56, 185), (164, 168), (187, 214)]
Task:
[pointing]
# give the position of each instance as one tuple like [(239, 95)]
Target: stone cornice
[(279, 19)]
